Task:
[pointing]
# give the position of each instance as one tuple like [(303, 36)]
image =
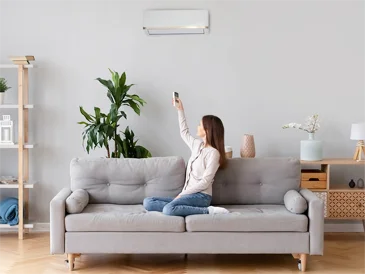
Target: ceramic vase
[(248, 146), (311, 149), (360, 183)]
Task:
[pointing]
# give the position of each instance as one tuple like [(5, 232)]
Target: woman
[(207, 156)]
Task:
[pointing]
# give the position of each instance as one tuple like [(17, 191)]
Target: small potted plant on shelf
[(3, 88)]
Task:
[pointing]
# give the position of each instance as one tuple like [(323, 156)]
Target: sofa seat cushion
[(110, 217), (252, 218)]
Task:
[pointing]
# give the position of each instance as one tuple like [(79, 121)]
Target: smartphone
[(175, 96)]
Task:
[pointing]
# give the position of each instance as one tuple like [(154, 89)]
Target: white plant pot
[(311, 150), (2, 95)]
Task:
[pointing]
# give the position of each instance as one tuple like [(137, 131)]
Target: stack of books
[(22, 60)]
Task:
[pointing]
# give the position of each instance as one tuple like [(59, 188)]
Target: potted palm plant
[(101, 129), (3, 88)]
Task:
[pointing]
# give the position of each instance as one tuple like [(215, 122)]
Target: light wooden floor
[(344, 253)]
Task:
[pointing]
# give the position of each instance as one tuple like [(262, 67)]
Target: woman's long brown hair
[(214, 130)]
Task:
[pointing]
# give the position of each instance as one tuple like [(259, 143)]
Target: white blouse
[(202, 165)]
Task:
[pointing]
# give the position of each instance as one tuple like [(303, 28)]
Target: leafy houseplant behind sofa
[(262, 195)]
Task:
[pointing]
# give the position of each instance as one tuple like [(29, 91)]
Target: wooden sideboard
[(341, 202)]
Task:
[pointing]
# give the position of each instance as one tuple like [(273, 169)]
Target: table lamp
[(358, 134)]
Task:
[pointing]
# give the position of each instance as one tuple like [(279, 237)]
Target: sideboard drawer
[(346, 204)]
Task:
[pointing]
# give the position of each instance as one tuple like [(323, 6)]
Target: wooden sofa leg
[(71, 261), (303, 261)]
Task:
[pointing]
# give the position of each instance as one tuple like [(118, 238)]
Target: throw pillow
[(77, 201), (294, 202)]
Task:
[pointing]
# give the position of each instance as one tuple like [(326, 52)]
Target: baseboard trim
[(355, 227), (41, 227)]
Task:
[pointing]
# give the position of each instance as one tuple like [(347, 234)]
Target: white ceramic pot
[(2, 95), (311, 150)]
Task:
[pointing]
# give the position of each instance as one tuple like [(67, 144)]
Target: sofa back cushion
[(127, 181), (256, 181)]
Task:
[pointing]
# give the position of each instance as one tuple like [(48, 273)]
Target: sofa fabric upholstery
[(249, 218), (108, 217), (127, 181), (57, 221), (256, 181)]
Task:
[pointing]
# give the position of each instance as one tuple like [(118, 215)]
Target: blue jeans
[(189, 204)]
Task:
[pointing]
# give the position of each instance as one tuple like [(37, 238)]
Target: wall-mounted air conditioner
[(169, 22)]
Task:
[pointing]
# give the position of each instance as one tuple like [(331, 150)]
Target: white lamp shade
[(358, 131)]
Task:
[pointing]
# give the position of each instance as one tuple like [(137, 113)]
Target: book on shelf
[(22, 58)]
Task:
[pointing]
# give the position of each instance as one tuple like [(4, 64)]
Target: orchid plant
[(311, 124)]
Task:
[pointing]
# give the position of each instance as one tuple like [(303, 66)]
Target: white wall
[(265, 63)]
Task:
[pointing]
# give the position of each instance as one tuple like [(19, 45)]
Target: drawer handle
[(313, 179)]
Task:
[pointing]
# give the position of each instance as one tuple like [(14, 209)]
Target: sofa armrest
[(57, 221), (316, 222)]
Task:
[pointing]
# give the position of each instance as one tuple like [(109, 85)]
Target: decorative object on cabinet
[(6, 131), (22, 66), (352, 183), (248, 146), (311, 149), (360, 183), (3, 87), (358, 134)]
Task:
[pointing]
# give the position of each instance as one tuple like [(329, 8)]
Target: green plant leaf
[(115, 78), (135, 107), (122, 79), (86, 115), (125, 148), (110, 96), (137, 98), (83, 123), (97, 114), (142, 152), (123, 114), (107, 83)]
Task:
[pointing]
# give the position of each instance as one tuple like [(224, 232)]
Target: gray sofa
[(114, 220)]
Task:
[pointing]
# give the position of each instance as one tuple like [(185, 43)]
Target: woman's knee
[(168, 210), (147, 203)]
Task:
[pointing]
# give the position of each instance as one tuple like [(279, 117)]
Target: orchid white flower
[(311, 124)]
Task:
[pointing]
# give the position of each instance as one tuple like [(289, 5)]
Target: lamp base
[(360, 148)]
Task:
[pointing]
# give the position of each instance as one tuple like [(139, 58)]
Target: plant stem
[(108, 152), (115, 143)]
